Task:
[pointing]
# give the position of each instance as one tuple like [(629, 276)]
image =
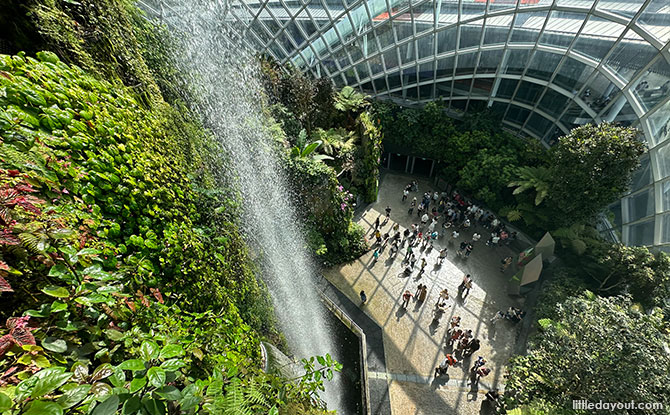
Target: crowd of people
[(450, 216)]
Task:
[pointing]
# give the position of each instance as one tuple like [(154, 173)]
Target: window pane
[(640, 205), (641, 233), (543, 65)]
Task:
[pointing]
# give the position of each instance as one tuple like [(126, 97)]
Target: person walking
[(396, 226), (423, 266), (388, 211), (423, 293), (405, 298), (468, 250), (364, 298), (418, 290), (408, 253), (377, 223), (465, 286), (405, 235), (375, 257), (412, 205), (405, 193)]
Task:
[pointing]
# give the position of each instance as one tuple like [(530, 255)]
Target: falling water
[(223, 78)]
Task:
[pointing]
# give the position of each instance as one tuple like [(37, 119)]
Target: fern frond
[(254, 395), (31, 242), (234, 401)]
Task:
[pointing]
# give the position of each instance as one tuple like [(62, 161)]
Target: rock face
[(278, 362)]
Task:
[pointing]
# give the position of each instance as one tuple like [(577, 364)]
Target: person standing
[(412, 205), (506, 263), (476, 236), (424, 219), (423, 293), (364, 298), (405, 298), (442, 257), (405, 193), (405, 235), (388, 211), (473, 346)]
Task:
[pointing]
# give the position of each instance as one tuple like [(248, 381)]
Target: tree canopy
[(595, 349)]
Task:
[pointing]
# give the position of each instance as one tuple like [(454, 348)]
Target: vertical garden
[(126, 282)]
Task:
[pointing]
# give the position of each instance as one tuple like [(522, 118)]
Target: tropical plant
[(308, 150), (349, 100), (532, 178), (577, 237)]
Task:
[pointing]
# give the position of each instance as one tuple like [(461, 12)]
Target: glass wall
[(545, 65)]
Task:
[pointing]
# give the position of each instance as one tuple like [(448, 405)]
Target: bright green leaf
[(55, 345), (156, 376), (54, 291)]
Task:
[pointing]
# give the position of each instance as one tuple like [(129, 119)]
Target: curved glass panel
[(545, 65)]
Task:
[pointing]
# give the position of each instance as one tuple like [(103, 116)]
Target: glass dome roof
[(545, 65)]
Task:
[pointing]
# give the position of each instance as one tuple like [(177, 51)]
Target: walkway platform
[(404, 347)]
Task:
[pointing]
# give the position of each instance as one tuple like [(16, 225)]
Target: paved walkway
[(413, 346)]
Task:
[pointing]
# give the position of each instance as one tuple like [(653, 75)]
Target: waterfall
[(223, 79)]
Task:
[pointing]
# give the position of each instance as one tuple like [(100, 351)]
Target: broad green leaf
[(44, 408), (189, 402), (49, 381), (59, 270), (54, 291), (156, 376), (88, 251), (73, 396), (103, 371), (118, 378), (100, 389), (55, 345), (5, 402), (58, 306), (132, 364), (153, 406), (114, 335), (137, 384), (274, 411), (149, 350), (173, 365), (171, 350), (169, 393), (108, 407), (321, 360), (132, 405)]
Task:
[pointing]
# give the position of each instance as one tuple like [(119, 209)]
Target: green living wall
[(124, 277), (475, 155), (330, 146)]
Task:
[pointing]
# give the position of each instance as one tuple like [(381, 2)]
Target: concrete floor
[(413, 346)]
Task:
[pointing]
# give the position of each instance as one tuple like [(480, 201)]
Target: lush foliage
[(332, 150), (109, 268), (588, 169), (477, 157), (595, 349), (591, 168)]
